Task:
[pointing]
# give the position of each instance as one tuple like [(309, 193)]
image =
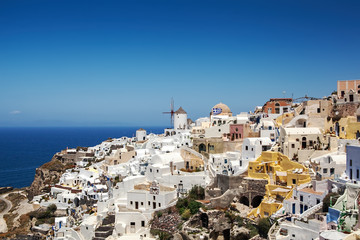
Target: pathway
[(3, 226)]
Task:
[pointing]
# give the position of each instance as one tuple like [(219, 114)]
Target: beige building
[(299, 143), (118, 156)]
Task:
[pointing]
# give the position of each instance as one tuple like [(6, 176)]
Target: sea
[(23, 149)]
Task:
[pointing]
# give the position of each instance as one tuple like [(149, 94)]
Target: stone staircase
[(311, 211), (105, 229), (273, 230)]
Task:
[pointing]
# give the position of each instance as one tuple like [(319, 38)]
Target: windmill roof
[(180, 111)]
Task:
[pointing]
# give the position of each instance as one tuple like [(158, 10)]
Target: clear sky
[(103, 63)]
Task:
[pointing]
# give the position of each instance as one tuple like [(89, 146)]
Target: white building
[(253, 147), (141, 134), (331, 165), (228, 163), (180, 119)]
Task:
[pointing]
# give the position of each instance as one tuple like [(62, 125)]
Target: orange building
[(277, 105), (344, 86)]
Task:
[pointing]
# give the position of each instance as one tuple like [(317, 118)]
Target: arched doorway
[(303, 143), (202, 148), (77, 202), (244, 200), (256, 201), (204, 220), (337, 129)]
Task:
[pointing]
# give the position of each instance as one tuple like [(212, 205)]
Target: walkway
[(3, 226)]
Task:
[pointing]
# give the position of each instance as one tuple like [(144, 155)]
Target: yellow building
[(191, 161), (284, 119), (282, 175), (346, 128)]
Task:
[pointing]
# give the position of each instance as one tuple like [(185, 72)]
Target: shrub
[(264, 227), (252, 228), (197, 193), (194, 206), (186, 214), (182, 203), (230, 216), (239, 220)]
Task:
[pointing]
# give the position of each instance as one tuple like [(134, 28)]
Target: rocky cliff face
[(46, 175)]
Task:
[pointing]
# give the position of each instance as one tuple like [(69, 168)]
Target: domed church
[(220, 109)]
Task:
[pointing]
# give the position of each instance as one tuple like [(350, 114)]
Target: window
[(350, 162), (317, 201), (294, 181), (318, 110), (225, 161), (325, 170), (157, 170), (159, 204), (149, 203), (292, 145), (252, 149), (293, 208), (143, 223), (154, 198), (246, 148), (301, 198), (142, 203), (342, 129), (131, 202), (357, 173), (150, 170), (332, 171)]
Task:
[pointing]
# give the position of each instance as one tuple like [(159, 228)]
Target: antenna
[(171, 112)]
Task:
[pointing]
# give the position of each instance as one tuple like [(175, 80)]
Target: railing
[(311, 210)]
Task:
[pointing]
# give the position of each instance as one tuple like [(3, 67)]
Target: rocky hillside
[(47, 174)]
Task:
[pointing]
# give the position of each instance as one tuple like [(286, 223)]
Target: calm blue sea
[(22, 150)]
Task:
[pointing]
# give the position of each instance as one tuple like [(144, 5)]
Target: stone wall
[(225, 188)]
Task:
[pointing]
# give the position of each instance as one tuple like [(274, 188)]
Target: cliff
[(46, 175)]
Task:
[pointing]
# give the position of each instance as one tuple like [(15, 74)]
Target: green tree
[(197, 193), (264, 227), (194, 206)]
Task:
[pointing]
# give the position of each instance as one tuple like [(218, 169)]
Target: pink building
[(236, 132)]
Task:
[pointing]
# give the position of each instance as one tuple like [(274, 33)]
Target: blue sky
[(118, 63)]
